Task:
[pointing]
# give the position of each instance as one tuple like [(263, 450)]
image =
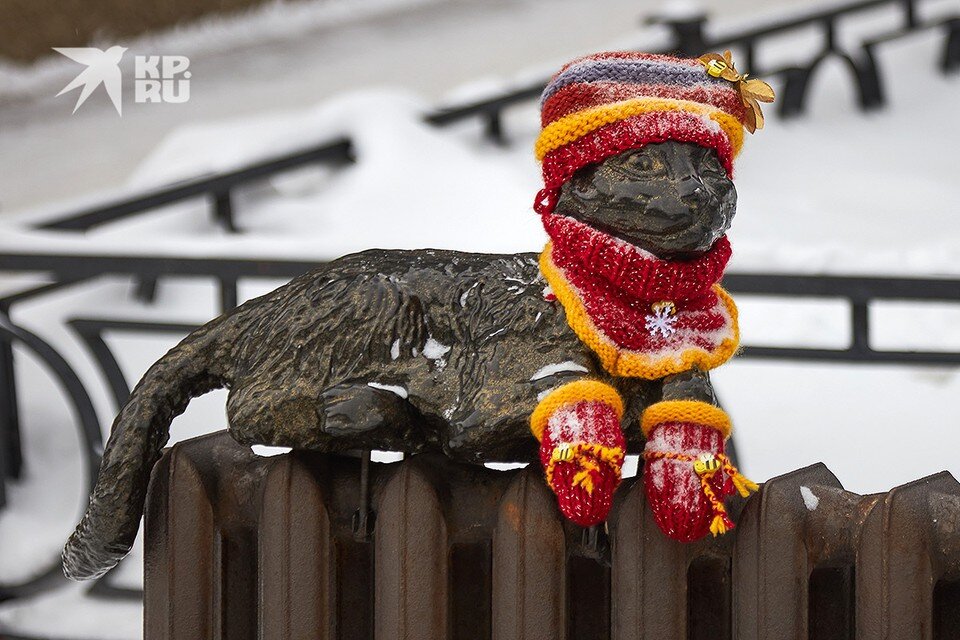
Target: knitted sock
[(686, 472), (679, 504), (581, 448)]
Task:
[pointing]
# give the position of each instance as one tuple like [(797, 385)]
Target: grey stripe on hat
[(634, 71)]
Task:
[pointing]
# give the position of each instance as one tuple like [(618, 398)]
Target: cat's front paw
[(677, 494), (581, 448), (584, 478), (686, 473)]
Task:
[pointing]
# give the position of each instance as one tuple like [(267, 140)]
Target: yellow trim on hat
[(576, 125)]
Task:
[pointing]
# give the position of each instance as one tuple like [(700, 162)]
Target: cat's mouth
[(688, 236)]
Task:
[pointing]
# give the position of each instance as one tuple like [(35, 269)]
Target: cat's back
[(379, 298), (439, 282)]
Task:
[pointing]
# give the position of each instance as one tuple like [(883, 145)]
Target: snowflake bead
[(662, 320)]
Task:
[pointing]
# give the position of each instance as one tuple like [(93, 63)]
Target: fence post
[(223, 210), (869, 82), (11, 447), (10, 453), (493, 127), (950, 60), (688, 37)]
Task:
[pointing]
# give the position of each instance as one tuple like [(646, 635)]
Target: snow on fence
[(241, 546)]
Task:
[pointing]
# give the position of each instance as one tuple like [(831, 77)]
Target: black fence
[(691, 37)]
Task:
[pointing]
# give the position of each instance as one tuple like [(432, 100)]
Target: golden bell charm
[(716, 67), (752, 91), (562, 454), (664, 307), (706, 463)]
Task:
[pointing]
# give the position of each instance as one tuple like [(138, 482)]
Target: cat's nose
[(692, 189)]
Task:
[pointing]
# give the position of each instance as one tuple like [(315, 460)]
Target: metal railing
[(217, 189), (858, 293)]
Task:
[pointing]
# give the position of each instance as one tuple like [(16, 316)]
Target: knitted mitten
[(686, 472), (581, 447)]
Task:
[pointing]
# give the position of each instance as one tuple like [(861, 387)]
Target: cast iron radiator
[(321, 546)]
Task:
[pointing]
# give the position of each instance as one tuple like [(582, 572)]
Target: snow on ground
[(835, 191), (431, 50), (70, 613)]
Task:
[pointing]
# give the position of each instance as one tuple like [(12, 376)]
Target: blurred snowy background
[(836, 191)]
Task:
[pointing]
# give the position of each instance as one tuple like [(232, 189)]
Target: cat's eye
[(582, 186), (710, 161), (711, 169), (646, 163)]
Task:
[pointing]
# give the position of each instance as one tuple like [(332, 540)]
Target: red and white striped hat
[(607, 103)]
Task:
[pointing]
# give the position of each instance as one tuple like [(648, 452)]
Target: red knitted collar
[(630, 269)]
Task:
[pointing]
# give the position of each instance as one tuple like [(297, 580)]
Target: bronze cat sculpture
[(410, 350)]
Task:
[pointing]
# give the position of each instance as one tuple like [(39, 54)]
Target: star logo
[(103, 67)]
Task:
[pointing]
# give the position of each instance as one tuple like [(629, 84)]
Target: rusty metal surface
[(240, 546)]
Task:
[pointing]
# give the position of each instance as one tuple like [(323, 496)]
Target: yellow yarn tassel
[(583, 477), (575, 453), (720, 524), (718, 527), (743, 484)]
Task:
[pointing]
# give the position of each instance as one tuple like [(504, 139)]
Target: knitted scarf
[(644, 317)]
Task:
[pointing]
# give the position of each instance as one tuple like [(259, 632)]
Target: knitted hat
[(607, 103)]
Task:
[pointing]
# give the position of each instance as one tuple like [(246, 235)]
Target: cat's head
[(642, 146), (673, 199)]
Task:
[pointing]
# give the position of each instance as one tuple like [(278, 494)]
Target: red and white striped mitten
[(687, 474), (581, 447)]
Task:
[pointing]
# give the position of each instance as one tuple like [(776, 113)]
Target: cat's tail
[(200, 363)]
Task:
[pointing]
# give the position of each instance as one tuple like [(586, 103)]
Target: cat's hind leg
[(372, 415), (350, 415)]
